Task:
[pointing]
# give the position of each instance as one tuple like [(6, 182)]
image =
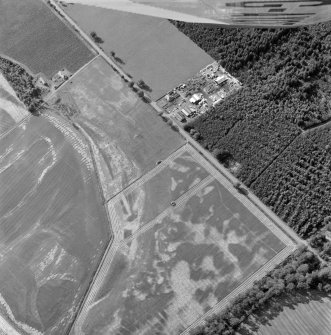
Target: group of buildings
[(205, 90), (47, 85)]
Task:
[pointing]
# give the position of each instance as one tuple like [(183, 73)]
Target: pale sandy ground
[(16, 110)]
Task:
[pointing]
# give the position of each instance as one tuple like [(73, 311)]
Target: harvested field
[(11, 108), (130, 136), (147, 48), (33, 35), (300, 315), (53, 226), (168, 272)]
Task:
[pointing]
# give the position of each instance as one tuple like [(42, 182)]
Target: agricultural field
[(175, 263), (147, 48), (33, 35), (128, 134), (12, 110), (299, 316), (53, 226)]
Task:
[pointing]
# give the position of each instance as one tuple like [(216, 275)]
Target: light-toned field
[(300, 316), (12, 110), (53, 226), (173, 264), (34, 36), (152, 49), (130, 136)]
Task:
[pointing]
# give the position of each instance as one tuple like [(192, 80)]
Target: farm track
[(120, 243), (179, 202), (52, 94), (147, 176), (16, 125), (202, 156)]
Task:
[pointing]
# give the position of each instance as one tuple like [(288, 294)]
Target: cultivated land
[(11, 108), (299, 316), (33, 35), (129, 137), (53, 226), (151, 49), (169, 265)]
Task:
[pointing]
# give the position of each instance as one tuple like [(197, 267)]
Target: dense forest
[(276, 127), (22, 83), (301, 271)]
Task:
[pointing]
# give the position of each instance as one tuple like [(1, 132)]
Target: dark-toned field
[(53, 226), (129, 134), (34, 36), (175, 263), (148, 48)]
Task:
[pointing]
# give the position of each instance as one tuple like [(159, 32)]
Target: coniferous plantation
[(277, 127)]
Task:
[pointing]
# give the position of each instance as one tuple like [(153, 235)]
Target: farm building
[(60, 77), (185, 112), (196, 98), (171, 96), (41, 82), (221, 80), (179, 116)]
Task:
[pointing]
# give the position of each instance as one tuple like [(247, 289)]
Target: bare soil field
[(148, 48), (53, 226), (12, 109), (130, 136), (178, 262), (33, 35)]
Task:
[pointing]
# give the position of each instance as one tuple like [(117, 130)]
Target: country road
[(217, 171)]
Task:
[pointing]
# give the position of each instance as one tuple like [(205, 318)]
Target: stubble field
[(149, 48), (33, 35), (130, 137), (53, 226), (175, 263)]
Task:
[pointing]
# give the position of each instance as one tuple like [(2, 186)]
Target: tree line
[(23, 84), (286, 76), (300, 271)]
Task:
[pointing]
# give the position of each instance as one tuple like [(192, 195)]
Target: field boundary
[(244, 286), (17, 124), (148, 175), (179, 203), (120, 243), (255, 210)]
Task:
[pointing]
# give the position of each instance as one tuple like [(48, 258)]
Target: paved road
[(90, 40), (204, 155)]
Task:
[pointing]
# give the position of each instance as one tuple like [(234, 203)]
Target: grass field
[(176, 263), (11, 108), (151, 49), (130, 136), (34, 36), (300, 315), (53, 226)]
